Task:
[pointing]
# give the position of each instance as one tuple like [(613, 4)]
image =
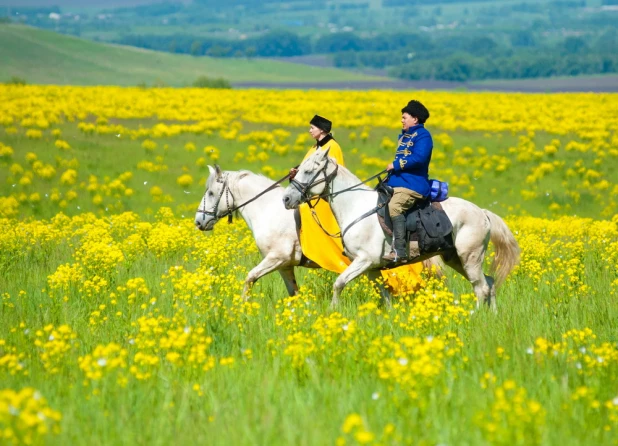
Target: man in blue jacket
[(409, 176)]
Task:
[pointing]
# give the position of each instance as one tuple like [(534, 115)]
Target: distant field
[(574, 83), (45, 57), (540, 85), (77, 3)]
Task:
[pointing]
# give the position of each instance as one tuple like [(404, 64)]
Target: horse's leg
[(287, 274), (455, 262), (268, 264), (473, 271), (386, 296), (492, 293), (435, 266), (358, 266), (472, 262)]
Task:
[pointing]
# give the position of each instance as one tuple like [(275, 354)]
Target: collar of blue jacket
[(412, 129)]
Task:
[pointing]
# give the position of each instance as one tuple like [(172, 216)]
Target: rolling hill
[(45, 57)]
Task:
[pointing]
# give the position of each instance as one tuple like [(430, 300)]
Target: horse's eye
[(210, 194)]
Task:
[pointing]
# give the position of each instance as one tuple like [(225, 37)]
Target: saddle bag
[(434, 230)]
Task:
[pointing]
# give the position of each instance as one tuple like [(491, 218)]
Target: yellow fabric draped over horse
[(327, 251)]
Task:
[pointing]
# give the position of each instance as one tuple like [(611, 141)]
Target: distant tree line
[(28, 10), (393, 3), (416, 56), (460, 67), (284, 43), (272, 44), (153, 10), (473, 58)]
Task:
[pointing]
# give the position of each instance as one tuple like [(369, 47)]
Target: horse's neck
[(351, 204), (245, 189)]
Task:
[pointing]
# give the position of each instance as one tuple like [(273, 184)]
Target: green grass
[(44, 57), (265, 400)]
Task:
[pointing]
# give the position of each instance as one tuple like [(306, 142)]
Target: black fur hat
[(417, 110), (322, 123)]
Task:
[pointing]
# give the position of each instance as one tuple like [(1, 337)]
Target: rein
[(230, 210), (377, 175), (303, 188)]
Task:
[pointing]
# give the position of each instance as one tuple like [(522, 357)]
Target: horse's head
[(312, 179), (216, 201)]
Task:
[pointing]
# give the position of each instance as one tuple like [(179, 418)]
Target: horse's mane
[(342, 169), (236, 176), (349, 173)]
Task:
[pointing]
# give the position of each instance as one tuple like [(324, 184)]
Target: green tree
[(196, 48), (607, 42), (574, 45), (250, 52), (523, 38), (218, 51), (207, 82)]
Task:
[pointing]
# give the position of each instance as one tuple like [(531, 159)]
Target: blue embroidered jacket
[(411, 165)]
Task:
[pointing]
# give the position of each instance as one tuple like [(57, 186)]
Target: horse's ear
[(215, 171), (325, 153)]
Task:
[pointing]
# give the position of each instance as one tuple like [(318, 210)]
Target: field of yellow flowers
[(120, 323)]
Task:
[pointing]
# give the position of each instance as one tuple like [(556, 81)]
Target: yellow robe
[(327, 251)]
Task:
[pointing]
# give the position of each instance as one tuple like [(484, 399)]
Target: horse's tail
[(507, 249)]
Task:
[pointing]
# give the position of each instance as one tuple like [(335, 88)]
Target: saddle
[(426, 222)]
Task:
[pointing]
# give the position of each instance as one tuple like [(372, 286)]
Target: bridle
[(304, 188), (228, 193)]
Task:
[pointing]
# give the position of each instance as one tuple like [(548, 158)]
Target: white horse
[(272, 225), (365, 242)]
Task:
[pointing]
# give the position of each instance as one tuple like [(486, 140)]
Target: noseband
[(304, 188), (228, 193)]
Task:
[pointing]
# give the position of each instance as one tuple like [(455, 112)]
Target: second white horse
[(365, 242)]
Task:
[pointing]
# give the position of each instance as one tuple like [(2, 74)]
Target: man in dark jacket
[(409, 176)]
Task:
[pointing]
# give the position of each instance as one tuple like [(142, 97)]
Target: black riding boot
[(398, 254)]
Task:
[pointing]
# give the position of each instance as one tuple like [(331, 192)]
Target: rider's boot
[(307, 262), (398, 254)]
